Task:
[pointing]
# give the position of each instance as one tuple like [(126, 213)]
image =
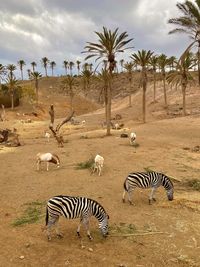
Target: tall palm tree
[(129, 66), (153, 63), (21, 64), (68, 84), (45, 62), (52, 65), (172, 61), (66, 66), (71, 65), (33, 64), (29, 73), (11, 68), (78, 63), (189, 23), (142, 58), (109, 44), (12, 85), (36, 76), (183, 76), (163, 62)]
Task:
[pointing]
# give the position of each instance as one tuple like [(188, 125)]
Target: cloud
[(59, 30)]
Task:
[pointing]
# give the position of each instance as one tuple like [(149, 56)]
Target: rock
[(90, 249), (21, 257)]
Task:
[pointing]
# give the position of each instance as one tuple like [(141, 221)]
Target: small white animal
[(98, 164), (47, 157), (132, 138), (47, 136)]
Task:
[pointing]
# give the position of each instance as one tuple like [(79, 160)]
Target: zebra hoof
[(131, 203), (154, 199), (78, 234), (90, 238), (49, 238), (123, 200), (59, 236)]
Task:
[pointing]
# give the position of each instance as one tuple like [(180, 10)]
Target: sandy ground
[(160, 148)]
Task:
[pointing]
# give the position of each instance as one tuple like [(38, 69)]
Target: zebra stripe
[(72, 208), (147, 180)]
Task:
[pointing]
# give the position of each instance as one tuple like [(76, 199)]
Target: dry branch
[(138, 234), (56, 134)]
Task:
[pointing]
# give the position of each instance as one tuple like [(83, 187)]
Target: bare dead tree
[(56, 134)]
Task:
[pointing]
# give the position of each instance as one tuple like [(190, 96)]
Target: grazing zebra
[(72, 208), (147, 180)]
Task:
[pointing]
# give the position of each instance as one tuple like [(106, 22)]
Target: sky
[(59, 29)]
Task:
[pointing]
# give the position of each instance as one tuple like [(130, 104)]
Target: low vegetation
[(85, 164), (32, 213)]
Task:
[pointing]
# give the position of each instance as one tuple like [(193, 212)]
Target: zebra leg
[(47, 165), (123, 196), (86, 225), (130, 196), (51, 222), (78, 229), (151, 195), (58, 233)]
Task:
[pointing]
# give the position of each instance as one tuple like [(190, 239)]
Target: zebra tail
[(125, 185), (47, 216)]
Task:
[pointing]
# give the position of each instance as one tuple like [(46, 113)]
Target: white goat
[(47, 157), (47, 135), (98, 164), (132, 139)]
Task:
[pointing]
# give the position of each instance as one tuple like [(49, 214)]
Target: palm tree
[(142, 58), (104, 78), (11, 68), (109, 44), (45, 62), (52, 65), (12, 85), (172, 61), (78, 66), (29, 73), (163, 62), (36, 76), (71, 65), (33, 64), (129, 66), (66, 66), (153, 63), (68, 84), (86, 75), (183, 76), (189, 23), (2, 73), (21, 64)]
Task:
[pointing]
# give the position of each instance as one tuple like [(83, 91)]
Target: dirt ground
[(161, 148)]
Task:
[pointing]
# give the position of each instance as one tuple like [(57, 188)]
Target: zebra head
[(170, 194), (103, 225), (168, 185)]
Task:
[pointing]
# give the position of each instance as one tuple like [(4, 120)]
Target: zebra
[(75, 207), (147, 180)]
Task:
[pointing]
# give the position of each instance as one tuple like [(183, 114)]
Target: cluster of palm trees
[(111, 43)]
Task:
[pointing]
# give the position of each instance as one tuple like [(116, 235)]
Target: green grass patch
[(85, 164), (122, 228), (194, 183), (32, 213)]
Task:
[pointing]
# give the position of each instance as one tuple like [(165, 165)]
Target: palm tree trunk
[(22, 75), (12, 100), (184, 98), (130, 102), (36, 91), (165, 92), (108, 115), (154, 87), (144, 101), (198, 63)]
